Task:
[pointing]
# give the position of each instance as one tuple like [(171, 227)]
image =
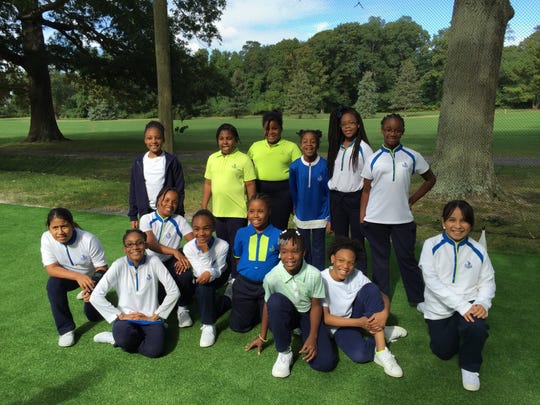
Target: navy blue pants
[(247, 304), (345, 216), (455, 335), (315, 246), (283, 317), (403, 239), (280, 201), (210, 306), (226, 229), (148, 340), (57, 289), (184, 282), (358, 348)]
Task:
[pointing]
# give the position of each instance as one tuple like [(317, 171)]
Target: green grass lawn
[(36, 371), (91, 172)]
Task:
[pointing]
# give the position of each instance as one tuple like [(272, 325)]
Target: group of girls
[(274, 276)]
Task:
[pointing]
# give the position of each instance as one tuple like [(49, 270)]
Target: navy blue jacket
[(138, 197)]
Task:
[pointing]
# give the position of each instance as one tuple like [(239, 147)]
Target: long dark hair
[(336, 137)]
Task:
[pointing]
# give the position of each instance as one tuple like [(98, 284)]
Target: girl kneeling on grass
[(73, 258), (138, 319), (164, 232), (354, 305), (293, 290), (460, 284), (208, 258), (256, 251)]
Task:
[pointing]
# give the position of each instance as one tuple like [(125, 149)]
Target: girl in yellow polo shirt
[(272, 158)]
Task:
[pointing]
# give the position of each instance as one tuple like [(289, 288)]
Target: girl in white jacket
[(460, 284)]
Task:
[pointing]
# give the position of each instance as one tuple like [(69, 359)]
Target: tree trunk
[(43, 127), (163, 68), (463, 157)]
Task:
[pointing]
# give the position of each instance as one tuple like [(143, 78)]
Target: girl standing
[(228, 179), (272, 158), (460, 284), (308, 180), (348, 150), (256, 252), (386, 212), (73, 258), (164, 232)]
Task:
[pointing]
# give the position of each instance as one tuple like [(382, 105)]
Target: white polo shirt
[(168, 231), (214, 261), (82, 254), (390, 172), (345, 178), (137, 289)]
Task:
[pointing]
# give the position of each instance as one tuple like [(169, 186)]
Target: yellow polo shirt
[(228, 174), (272, 163)]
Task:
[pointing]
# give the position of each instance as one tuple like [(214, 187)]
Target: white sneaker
[(67, 339), (208, 335), (104, 337), (388, 362), (471, 380), (393, 333), (80, 295), (282, 366), (184, 320), (421, 307)]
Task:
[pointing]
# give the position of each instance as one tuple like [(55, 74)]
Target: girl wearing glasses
[(348, 150), (138, 319)]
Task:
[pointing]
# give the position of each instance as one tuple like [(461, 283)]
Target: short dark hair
[(274, 115), (342, 242), (465, 208), (228, 127), (155, 124), (130, 231), (396, 116), (205, 213)]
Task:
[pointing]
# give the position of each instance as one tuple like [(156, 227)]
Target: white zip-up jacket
[(457, 275)]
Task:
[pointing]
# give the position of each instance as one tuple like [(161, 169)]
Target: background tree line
[(376, 66)]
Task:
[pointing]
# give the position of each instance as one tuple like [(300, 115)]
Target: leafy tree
[(463, 157), (366, 103), (300, 97), (121, 29), (406, 91), (520, 73)]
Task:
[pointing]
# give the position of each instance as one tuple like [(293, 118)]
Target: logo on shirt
[(149, 277), (272, 249), (468, 265), (84, 258), (234, 166), (319, 179), (404, 164), (168, 235)]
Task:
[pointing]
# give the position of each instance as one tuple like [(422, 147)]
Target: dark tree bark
[(43, 127), (463, 158), (163, 69)]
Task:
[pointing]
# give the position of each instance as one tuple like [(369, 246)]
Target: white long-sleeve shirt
[(214, 261), (455, 274), (137, 289)]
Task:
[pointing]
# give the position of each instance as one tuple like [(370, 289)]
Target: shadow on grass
[(67, 390)]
